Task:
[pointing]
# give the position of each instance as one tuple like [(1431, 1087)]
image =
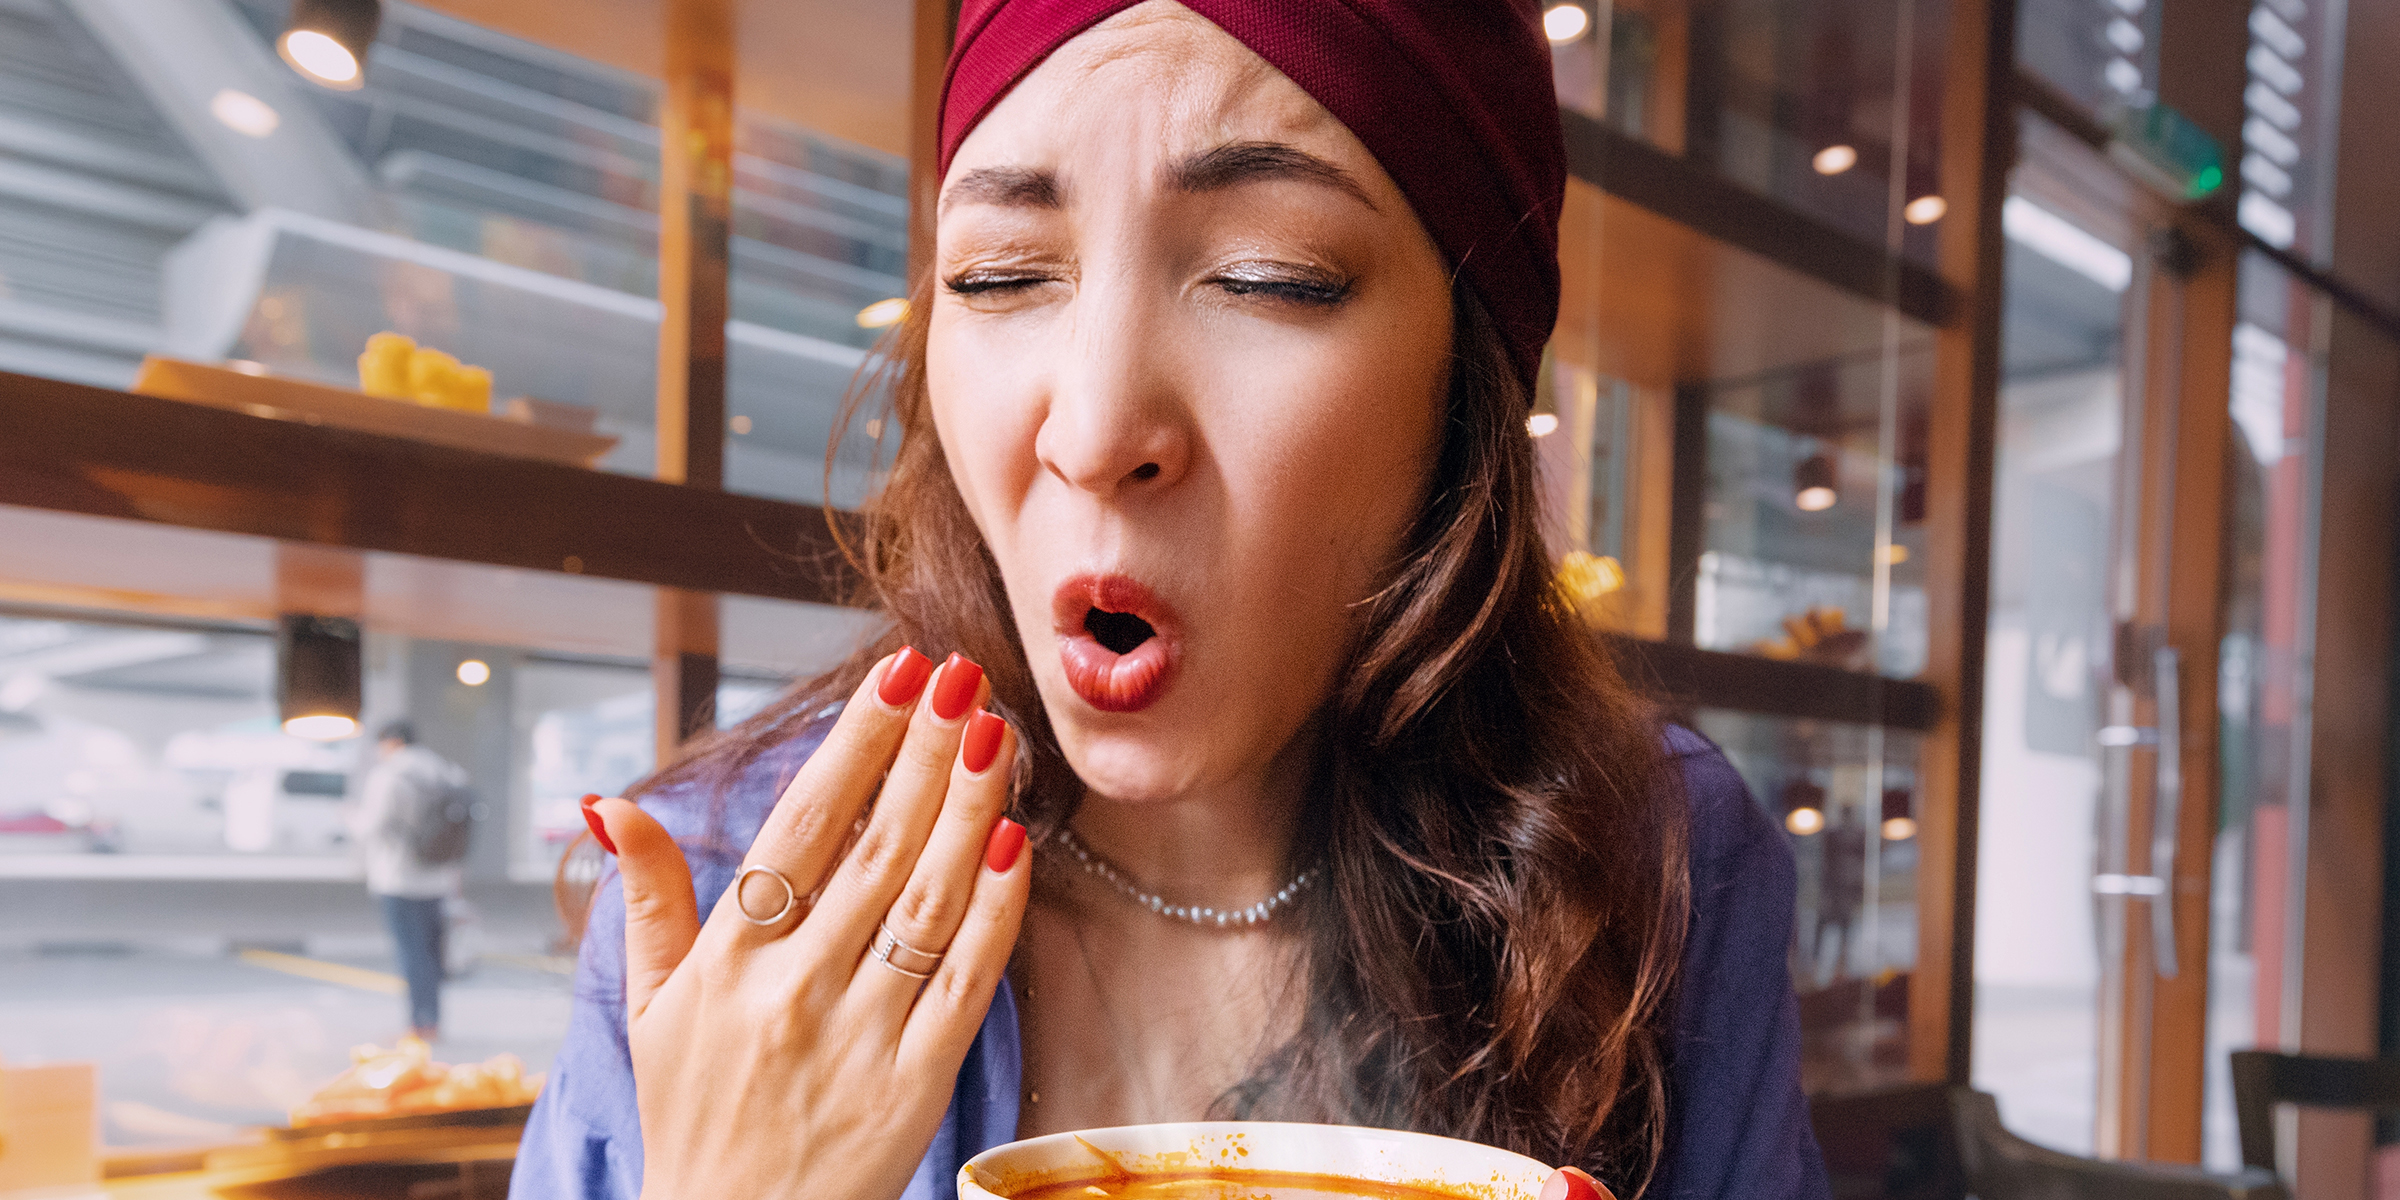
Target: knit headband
[(1453, 98)]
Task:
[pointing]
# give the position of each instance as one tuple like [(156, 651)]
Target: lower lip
[(1105, 679)]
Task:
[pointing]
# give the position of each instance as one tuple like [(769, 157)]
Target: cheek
[(987, 422)]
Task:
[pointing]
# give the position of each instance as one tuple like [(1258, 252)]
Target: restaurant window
[(1844, 796), (1828, 107), (485, 197)]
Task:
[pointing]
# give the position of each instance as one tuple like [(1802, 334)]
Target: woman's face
[(1187, 362)]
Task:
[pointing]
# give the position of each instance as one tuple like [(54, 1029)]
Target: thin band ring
[(888, 943), (791, 897)]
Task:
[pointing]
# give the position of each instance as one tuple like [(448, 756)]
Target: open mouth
[(1117, 641)]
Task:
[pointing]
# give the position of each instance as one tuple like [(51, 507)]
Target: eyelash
[(1320, 293)]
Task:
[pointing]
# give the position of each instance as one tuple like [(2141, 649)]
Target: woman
[(1212, 456)]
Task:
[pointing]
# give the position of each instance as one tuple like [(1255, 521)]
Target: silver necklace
[(1196, 914)]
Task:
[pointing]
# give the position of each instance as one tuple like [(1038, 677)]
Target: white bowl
[(1418, 1160)]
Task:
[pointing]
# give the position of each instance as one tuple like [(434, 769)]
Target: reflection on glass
[(1811, 103), (1846, 796), (1815, 531), (491, 199), (2047, 654), (2102, 54), (2261, 705), (2289, 110), (1603, 445)]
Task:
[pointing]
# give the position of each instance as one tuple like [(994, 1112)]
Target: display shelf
[(97, 452)]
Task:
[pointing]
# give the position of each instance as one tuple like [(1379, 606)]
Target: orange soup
[(1228, 1185)]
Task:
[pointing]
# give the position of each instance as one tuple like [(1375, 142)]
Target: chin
[(1129, 762)]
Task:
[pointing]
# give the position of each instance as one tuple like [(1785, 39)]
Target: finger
[(813, 819), (951, 1008), (926, 916), (870, 877), (661, 918), (1573, 1183)]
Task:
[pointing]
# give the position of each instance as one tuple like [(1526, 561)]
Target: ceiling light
[(1899, 829), (1804, 821), (883, 313), (327, 40), (740, 423), (244, 113), (1833, 160), (317, 673), (474, 672), (1813, 484), (1565, 22), (1925, 210), (1542, 424)]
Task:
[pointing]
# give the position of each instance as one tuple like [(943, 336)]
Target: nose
[(1117, 419)]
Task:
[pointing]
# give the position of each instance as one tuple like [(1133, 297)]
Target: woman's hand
[(787, 1058)]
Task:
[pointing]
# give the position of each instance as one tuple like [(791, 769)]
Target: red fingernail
[(1567, 1183), (591, 817), (904, 677), (961, 679), (1000, 853), (982, 743)]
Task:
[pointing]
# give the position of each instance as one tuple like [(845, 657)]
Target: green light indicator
[(2164, 147)]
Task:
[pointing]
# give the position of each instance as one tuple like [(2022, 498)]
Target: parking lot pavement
[(194, 1047)]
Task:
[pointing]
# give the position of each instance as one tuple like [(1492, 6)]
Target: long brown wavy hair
[(1505, 894)]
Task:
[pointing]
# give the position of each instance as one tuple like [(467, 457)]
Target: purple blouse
[(1737, 1123)]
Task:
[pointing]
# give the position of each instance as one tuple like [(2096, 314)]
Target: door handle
[(2166, 807)]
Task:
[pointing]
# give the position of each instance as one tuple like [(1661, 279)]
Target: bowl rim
[(1495, 1161)]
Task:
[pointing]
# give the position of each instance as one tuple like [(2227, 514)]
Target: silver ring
[(791, 898), (887, 943)]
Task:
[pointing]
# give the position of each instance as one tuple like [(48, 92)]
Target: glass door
[(2081, 887)]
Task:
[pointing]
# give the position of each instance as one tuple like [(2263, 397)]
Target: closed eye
[(979, 282), (1295, 285)]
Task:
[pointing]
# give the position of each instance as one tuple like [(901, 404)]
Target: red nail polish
[(904, 677), (591, 817), (982, 743), (1000, 853), (1568, 1183), (961, 679)]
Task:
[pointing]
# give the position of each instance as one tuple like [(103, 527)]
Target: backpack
[(434, 822)]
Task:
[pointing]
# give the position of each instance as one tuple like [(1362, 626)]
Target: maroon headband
[(1453, 97)]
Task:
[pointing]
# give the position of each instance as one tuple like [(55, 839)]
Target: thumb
[(1573, 1183), (661, 918)]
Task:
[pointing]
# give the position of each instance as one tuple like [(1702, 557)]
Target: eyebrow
[(1237, 163), (1008, 187), (1226, 166)]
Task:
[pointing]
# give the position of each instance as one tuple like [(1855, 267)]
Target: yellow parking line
[(325, 972)]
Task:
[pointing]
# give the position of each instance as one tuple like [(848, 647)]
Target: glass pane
[(2290, 105), (1603, 445), (183, 894), (2262, 707), (1814, 523), (1829, 106), (2039, 934), (2103, 54), (1847, 797)]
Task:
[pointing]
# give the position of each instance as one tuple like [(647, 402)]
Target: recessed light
[(1925, 210), (1833, 160), (1565, 22)]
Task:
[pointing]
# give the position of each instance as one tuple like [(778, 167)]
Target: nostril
[(1146, 471)]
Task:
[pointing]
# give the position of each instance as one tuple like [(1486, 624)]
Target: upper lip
[(1109, 592)]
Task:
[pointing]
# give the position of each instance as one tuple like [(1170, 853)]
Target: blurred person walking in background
[(412, 822)]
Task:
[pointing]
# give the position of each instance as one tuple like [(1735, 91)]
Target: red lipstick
[(1117, 640)]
